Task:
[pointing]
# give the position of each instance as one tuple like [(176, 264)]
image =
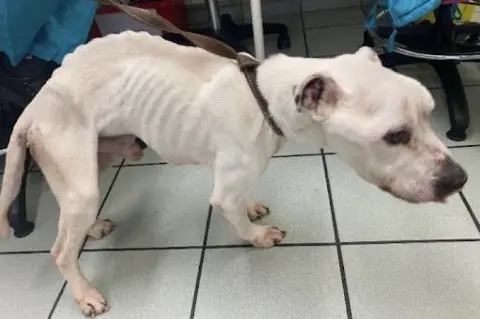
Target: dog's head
[(378, 122)]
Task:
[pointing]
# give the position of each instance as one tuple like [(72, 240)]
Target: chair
[(443, 45), (225, 29), (18, 86)]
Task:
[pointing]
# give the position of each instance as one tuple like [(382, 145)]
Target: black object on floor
[(442, 38), (18, 86), (240, 32), (18, 211), (234, 34)]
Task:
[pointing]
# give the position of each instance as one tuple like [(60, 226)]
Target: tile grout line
[(302, 21), (332, 26), (463, 146), (273, 157), (62, 289), (200, 264), (341, 265), (410, 241), (282, 245), (319, 154), (142, 164), (120, 249), (470, 211), (297, 155)]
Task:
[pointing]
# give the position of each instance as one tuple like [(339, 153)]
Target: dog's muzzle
[(451, 178)]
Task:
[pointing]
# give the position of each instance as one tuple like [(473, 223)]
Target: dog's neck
[(277, 78)]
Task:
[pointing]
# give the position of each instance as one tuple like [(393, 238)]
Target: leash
[(247, 64)]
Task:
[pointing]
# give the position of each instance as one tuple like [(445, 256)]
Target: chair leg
[(245, 31), (367, 40), (456, 99), (18, 212)]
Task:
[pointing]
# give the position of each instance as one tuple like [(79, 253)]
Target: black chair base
[(18, 86), (456, 99), (17, 215), (233, 34), (245, 31)]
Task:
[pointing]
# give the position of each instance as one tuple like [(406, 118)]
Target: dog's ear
[(368, 53), (316, 93)]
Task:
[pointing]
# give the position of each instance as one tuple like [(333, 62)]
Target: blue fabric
[(401, 13), (48, 29), (404, 12)]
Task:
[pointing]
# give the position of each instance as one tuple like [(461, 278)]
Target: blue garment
[(48, 29), (401, 13)]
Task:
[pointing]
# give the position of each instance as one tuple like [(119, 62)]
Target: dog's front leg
[(233, 184)]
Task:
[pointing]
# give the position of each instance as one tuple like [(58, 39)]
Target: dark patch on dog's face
[(401, 136), (297, 99)]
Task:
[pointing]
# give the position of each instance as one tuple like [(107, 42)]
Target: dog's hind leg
[(71, 170), (104, 161), (101, 228), (124, 146), (108, 148)]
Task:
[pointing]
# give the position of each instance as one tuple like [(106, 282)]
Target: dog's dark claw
[(142, 144), (259, 214), (91, 312)]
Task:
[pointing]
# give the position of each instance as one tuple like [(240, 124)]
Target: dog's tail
[(14, 167)]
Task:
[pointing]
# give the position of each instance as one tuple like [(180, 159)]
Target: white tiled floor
[(392, 259)]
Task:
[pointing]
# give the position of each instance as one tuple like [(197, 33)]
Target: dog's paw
[(257, 212), (93, 303), (134, 152), (101, 228), (268, 237), (4, 227)]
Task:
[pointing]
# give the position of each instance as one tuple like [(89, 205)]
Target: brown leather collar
[(249, 69), (247, 64)]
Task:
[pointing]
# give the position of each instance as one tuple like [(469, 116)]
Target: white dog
[(194, 107)]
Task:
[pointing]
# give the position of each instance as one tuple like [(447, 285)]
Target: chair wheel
[(283, 42), (367, 40)]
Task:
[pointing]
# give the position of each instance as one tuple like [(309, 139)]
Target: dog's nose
[(452, 177)]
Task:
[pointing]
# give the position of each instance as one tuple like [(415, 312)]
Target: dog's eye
[(401, 136)]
